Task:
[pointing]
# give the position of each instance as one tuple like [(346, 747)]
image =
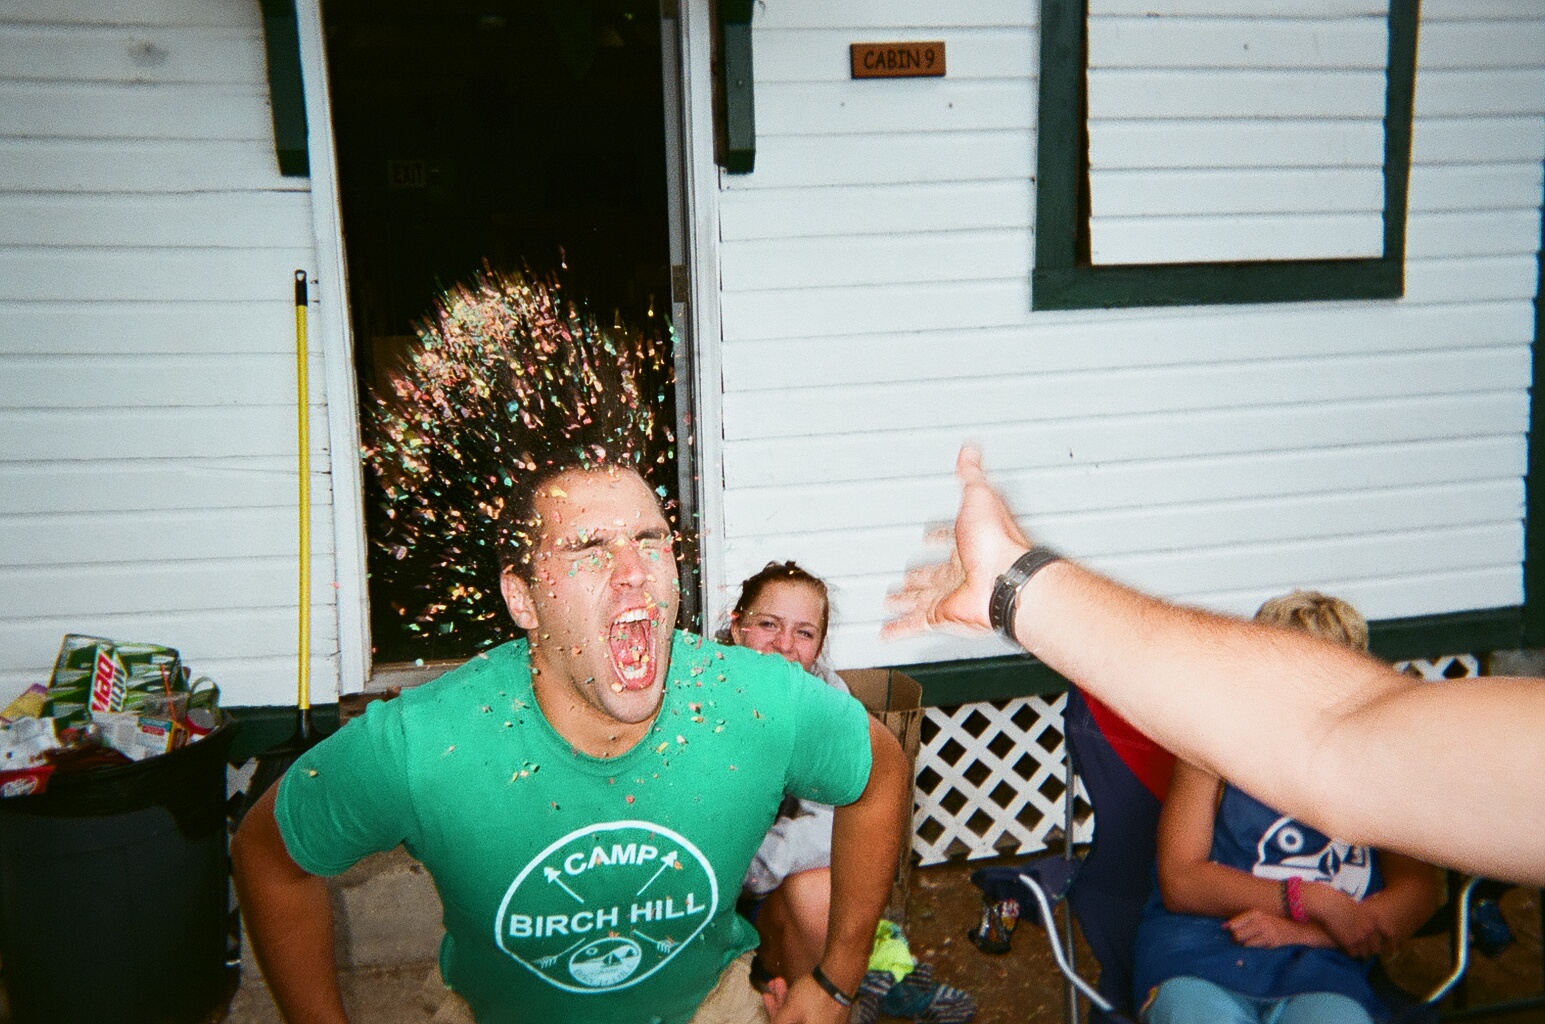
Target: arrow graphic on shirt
[(548, 961), (669, 861), (660, 945), (551, 874)]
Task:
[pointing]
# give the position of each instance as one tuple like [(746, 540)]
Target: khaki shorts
[(731, 1001)]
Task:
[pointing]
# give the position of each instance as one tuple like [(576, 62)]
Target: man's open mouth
[(631, 642)]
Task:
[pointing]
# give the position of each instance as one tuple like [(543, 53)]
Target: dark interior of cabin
[(516, 133)]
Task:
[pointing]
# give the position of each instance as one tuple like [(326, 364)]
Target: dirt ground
[(1023, 987)]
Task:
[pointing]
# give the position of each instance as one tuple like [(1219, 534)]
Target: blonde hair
[(1317, 614)]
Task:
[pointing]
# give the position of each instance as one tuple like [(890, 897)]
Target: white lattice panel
[(1452, 666), (990, 777), (990, 780)]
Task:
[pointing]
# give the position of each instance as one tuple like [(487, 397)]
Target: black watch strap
[(842, 998), (1005, 592)]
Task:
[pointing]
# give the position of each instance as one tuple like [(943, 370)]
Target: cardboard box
[(896, 699)]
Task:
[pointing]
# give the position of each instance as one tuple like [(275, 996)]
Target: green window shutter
[(286, 90), (1065, 276)]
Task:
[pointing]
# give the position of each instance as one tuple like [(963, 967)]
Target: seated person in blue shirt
[(1258, 917)]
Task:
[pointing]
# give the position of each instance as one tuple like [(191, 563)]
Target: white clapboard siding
[(1162, 338), (1483, 233), (1248, 522), (842, 260), (847, 210), (1275, 568), (1156, 238), (155, 381), (87, 274), (1491, 277), (238, 633), (148, 246), (1105, 439), (864, 504), (822, 55), (854, 643), (783, 162), (132, 111), (1312, 10), (133, 535), (1131, 95), (243, 481), (1498, 93), (129, 55), (1213, 82), (1473, 46), (1489, 187), (253, 220), (885, 407), (193, 326), (877, 15), (1475, 140), (1266, 147), (143, 14), (1171, 192), (1282, 42), (183, 586), (936, 105), (139, 166), (818, 312), (53, 435)]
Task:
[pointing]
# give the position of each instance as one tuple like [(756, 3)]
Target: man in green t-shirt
[(586, 799)]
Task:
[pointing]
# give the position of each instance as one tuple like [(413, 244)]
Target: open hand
[(953, 595)]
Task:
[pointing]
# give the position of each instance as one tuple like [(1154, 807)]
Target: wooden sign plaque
[(898, 60)]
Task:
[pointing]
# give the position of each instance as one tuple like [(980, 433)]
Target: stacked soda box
[(105, 703)]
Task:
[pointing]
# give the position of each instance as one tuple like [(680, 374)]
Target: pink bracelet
[(1293, 898)]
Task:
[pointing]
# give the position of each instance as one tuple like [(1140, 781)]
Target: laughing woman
[(784, 610)]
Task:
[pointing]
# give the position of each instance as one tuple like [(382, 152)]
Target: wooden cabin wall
[(147, 380), (876, 312)]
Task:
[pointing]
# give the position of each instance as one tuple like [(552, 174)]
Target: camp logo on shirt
[(1289, 848), (606, 906)]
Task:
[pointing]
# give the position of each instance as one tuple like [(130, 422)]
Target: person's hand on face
[(601, 602), (784, 619)]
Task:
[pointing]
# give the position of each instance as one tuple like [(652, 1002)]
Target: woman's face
[(784, 619)]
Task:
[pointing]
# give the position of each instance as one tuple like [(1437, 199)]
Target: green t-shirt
[(578, 888)]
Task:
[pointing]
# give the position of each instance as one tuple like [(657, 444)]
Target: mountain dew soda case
[(94, 674)]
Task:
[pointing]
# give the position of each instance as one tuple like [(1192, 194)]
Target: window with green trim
[(1236, 152)]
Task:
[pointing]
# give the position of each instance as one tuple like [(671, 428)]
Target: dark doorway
[(501, 132)]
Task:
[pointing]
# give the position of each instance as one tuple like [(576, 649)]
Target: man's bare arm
[(289, 920), (866, 846), (1449, 773)]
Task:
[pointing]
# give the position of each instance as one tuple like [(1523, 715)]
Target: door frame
[(693, 180), (694, 230), (333, 333)]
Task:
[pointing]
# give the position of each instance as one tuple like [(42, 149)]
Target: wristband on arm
[(842, 998), (1293, 899), (1004, 603)]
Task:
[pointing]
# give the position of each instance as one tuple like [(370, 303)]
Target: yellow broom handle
[(303, 430)]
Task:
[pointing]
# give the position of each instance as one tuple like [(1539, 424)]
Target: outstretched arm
[(289, 920), (1449, 773), (866, 846)]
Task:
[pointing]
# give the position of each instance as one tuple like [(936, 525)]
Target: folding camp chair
[(1126, 776)]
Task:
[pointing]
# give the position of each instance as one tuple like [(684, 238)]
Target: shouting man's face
[(599, 607)]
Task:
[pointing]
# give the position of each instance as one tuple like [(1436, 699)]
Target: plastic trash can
[(114, 892)]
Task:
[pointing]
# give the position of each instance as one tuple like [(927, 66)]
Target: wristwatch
[(1005, 592)]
